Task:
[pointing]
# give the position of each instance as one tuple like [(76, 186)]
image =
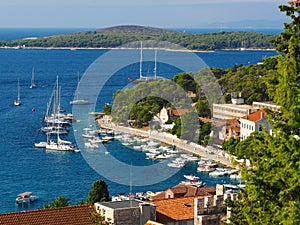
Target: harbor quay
[(190, 147)]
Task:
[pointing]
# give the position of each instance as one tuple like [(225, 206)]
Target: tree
[(60, 201), (98, 193), (98, 219), (106, 109), (272, 192)]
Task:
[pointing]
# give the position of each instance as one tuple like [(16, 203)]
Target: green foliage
[(97, 219), (60, 201), (230, 145), (116, 36), (186, 81), (106, 109), (272, 192), (98, 193), (255, 82), (144, 100), (205, 129), (202, 108)]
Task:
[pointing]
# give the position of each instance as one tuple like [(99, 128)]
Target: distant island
[(119, 35)]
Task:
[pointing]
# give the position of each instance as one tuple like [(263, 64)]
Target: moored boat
[(25, 198)]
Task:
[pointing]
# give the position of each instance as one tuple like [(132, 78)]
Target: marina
[(69, 173)]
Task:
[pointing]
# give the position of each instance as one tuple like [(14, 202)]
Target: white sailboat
[(77, 100), (32, 85), (142, 77), (59, 144), (17, 102)]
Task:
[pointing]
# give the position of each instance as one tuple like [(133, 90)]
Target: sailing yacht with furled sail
[(32, 85), (77, 100), (143, 78), (59, 144), (17, 102)]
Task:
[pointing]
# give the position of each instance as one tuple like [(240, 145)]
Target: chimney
[(262, 115)]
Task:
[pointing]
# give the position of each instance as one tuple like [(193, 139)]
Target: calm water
[(48, 175)]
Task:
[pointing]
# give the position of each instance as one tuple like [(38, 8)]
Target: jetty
[(184, 145)]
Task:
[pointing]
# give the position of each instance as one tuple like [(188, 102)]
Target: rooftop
[(134, 203), (183, 190), (180, 112), (256, 116), (71, 215), (174, 209), (234, 106)]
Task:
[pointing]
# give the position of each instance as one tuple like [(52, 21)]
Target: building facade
[(256, 121), (128, 212)]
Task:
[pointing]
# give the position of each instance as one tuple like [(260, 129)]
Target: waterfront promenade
[(189, 147)]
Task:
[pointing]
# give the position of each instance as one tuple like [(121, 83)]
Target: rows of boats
[(55, 124)]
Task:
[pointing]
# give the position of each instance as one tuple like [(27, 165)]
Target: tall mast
[(18, 90), (154, 70), (141, 60)]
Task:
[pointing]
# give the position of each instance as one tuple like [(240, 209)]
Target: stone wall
[(211, 209)]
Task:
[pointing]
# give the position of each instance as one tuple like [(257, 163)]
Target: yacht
[(17, 102), (25, 198)]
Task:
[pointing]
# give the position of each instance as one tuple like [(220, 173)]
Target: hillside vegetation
[(116, 36)]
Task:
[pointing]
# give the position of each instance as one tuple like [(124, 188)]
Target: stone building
[(128, 212)]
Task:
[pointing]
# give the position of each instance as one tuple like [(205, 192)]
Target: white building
[(230, 111), (256, 121)]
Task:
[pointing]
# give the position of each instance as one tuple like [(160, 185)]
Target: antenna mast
[(155, 57), (141, 59)]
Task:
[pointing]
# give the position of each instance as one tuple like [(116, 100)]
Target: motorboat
[(41, 144), (192, 180), (25, 198)]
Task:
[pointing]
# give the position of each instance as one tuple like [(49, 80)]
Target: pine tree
[(272, 193), (98, 192)]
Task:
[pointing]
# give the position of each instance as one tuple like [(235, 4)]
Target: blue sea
[(49, 174)]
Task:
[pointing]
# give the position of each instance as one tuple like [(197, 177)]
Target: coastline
[(189, 147), (127, 48)]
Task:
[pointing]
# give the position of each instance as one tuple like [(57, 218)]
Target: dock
[(186, 146)]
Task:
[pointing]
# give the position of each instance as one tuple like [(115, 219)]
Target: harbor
[(210, 153)]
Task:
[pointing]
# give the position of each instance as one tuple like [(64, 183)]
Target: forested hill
[(116, 36)]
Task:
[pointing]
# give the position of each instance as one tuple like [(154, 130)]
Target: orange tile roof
[(183, 190), (205, 120), (256, 116), (175, 209), (179, 112), (150, 222), (71, 215)]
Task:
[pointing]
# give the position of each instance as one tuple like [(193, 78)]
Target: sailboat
[(17, 102), (32, 85), (77, 100), (145, 78), (59, 144)]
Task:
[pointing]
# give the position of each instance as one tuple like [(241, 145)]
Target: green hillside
[(116, 36)]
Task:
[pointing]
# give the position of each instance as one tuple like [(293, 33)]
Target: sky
[(156, 13)]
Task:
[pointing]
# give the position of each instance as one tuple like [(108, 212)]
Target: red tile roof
[(179, 112), (175, 209), (205, 120), (256, 116), (149, 222), (183, 190), (71, 215)]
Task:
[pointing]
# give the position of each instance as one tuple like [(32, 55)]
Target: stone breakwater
[(189, 147)]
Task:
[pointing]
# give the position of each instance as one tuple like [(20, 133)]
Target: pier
[(189, 147)]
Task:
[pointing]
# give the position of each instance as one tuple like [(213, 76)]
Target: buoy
[(32, 110)]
